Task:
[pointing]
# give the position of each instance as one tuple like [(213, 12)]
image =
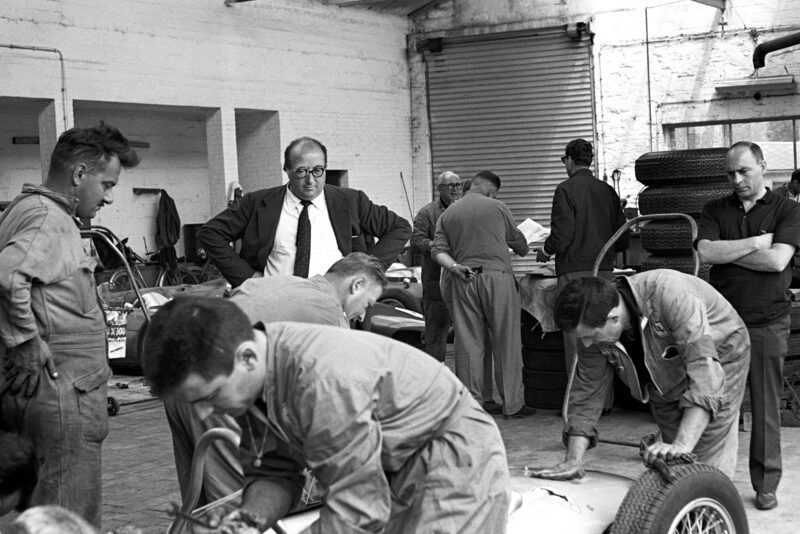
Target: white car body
[(586, 506)]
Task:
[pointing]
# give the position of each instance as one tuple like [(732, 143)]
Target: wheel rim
[(703, 516)]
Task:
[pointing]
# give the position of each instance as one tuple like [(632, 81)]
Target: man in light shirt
[(341, 221)]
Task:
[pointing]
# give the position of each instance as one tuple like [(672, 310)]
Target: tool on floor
[(660, 465)]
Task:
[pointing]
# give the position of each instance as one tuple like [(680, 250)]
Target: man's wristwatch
[(453, 267)]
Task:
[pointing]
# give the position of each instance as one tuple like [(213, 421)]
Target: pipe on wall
[(761, 51), (63, 72)]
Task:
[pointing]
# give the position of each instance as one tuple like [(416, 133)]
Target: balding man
[(472, 241), (437, 316), (306, 220), (749, 238)]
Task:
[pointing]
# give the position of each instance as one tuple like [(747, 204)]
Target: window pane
[(698, 137), (776, 139)]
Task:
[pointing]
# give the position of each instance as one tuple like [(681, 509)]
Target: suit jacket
[(354, 218)]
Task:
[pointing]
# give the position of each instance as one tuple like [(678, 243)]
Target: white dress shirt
[(324, 250)]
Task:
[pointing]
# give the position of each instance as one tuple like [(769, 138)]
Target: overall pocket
[(91, 391)]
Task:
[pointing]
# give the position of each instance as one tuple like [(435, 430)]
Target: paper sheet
[(534, 232)]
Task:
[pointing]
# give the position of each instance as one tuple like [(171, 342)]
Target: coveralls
[(48, 291), (696, 352), (395, 440), (266, 299)]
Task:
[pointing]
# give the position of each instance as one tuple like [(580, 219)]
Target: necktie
[(303, 254)]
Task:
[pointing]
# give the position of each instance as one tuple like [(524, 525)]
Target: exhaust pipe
[(765, 48)]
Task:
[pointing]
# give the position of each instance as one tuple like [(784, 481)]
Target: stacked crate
[(678, 181)]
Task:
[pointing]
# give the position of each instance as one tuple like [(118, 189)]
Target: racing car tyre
[(673, 167), (400, 299), (545, 399), (667, 237), (699, 499), (684, 264), (688, 199), (552, 380), (794, 317), (534, 338), (544, 360), (793, 344)]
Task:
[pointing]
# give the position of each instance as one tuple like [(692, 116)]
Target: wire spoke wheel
[(703, 516), (699, 500)]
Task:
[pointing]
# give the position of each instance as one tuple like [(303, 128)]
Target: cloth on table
[(538, 297)]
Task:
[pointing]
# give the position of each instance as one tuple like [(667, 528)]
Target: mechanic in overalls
[(676, 343), (393, 437), (53, 378)]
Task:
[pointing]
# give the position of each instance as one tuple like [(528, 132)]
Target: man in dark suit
[(341, 221)]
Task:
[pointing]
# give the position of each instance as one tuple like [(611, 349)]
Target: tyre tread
[(673, 167), (641, 505), (688, 199)]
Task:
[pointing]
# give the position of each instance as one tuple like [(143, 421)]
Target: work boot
[(766, 500), (492, 407)]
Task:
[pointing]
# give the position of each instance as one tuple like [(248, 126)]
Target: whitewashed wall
[(693, 47), (337, 74)]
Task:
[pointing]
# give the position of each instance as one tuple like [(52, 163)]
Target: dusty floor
[(139, 480), (139, 477)]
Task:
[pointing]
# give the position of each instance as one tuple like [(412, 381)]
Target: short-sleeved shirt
[(760, 297)]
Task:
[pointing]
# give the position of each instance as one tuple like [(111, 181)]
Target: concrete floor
[(139, 479)]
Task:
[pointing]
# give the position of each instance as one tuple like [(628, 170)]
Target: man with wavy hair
[(54, 375)]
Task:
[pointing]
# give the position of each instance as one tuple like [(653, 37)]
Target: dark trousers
[(768, 351), (437, 326)]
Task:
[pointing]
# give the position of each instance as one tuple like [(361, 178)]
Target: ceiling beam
[(720, 4)]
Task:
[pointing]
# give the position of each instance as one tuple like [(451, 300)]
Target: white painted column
[(223, 166), (53, 121)]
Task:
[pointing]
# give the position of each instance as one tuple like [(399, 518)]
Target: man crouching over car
[(397, 442), (676, 343)]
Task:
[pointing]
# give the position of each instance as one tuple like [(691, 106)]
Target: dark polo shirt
[(761, 298)]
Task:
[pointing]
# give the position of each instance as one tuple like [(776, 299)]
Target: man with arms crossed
[(749, 238)]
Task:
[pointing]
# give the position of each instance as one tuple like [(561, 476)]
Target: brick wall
[(692, 48), (337, 74)]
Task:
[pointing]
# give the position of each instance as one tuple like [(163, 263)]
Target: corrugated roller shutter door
[(509, 105)]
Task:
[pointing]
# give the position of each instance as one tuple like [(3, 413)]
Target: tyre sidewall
[(652, 504)]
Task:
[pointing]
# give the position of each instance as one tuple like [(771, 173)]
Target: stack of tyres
[(678, 181), (544, 368), (793, 352)]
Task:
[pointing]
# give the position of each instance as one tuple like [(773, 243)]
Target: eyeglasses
[(453, 187), (564, 159), (316, 172)]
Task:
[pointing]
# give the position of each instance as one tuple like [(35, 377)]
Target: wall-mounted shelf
[(146, 191)]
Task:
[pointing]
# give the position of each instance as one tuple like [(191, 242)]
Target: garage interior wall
[(174, 160), (337, 74), (19, 144), (655, 65), (509, 104)]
